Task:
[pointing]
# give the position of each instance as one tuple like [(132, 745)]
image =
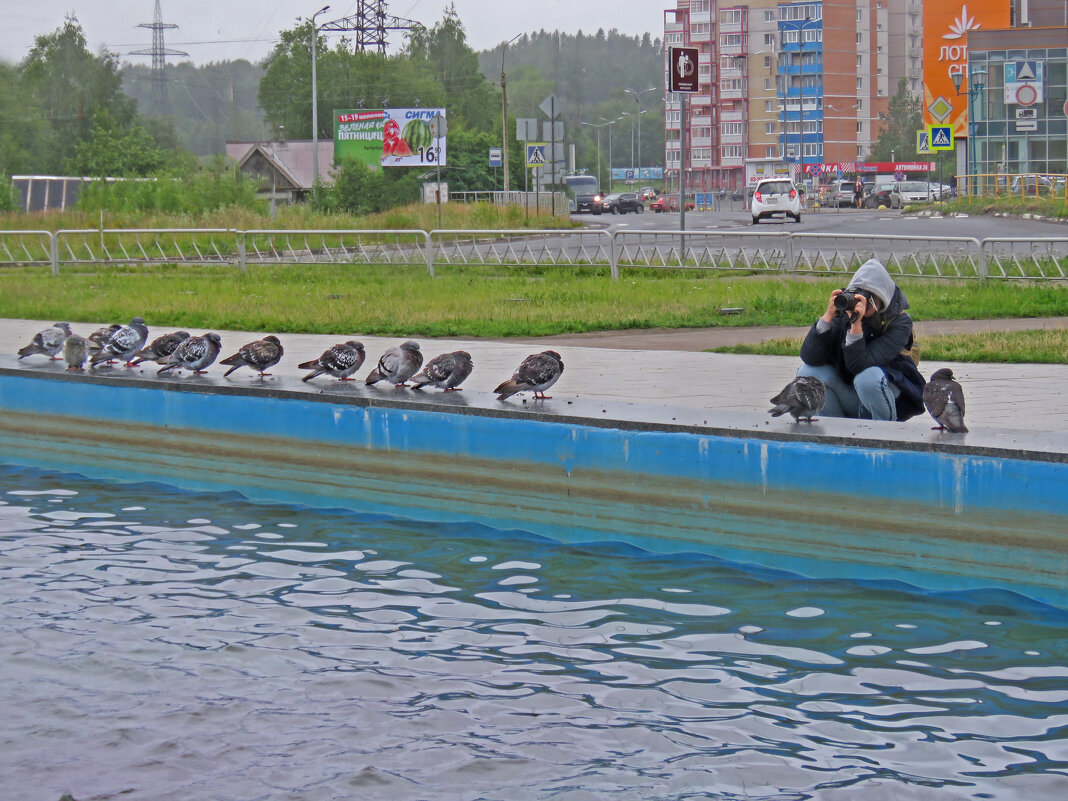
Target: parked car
[(740, 193), (940, 191), (775, 196), (843, 194), (879, 197), (906, 192), (1037, 185), (649, 192), (621, 203)]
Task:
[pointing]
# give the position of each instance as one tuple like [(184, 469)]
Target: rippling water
[(156, 644)]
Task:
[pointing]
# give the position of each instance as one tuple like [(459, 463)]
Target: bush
[(9, 197), (216, 188)]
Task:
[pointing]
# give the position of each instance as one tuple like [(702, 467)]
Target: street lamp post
[(315, 104), (800, 27), (976, 85), (504, 114), (598, 126), (638, 102)]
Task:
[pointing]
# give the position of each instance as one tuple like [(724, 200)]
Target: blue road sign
[(496, 157)]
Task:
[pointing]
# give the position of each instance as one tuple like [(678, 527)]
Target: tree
[(114, 151), (898, 135)]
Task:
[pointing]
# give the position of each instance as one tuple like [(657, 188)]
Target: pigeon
[(160, 348), (944, 399), (48, 342), (193, 354), (397, 364), (123, 344), (342, 360), (261, 355), (101, 335), (75, 352), (803, 397), (446, 371), (537, 373)]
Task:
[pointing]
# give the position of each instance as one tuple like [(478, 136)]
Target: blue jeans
[(871, 396)]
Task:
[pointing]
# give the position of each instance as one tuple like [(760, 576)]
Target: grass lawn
[(487, 301)]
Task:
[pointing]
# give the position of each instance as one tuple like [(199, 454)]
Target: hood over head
[(872, 277)]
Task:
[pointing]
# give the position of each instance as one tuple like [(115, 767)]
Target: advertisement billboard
[(408, 138), (945, 51), (358, 135)]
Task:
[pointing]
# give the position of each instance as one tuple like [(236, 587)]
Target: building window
[(673, 38), (812, 35), (769, 105), (732, 152), (769, 15), (860, 127), (767, 62), (801, 12), (698, 6), (731, 40), (732, 129), (813, 149), (769, 40), (860, 59), (860, 38), (732, 85), (860, 83), (769, 127), (731, 16)]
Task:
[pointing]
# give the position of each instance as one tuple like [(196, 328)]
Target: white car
[(775, 196), (906, 192)]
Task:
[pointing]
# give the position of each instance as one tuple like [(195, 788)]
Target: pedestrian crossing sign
[(940, 137), (536, 154), (923, 142)]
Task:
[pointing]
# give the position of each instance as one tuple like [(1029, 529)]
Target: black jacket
[(886, 336)]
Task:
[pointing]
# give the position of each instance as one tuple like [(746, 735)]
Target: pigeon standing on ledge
[(944, 399), (101, 335), (75, 352), (803, 397), (341, 361), (397, 364), (47, 342), (537, 373), (123, 344), (160, 348), (261, 355), (194, 354), (446, 371)]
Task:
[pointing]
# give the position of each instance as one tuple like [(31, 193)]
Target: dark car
[(879, 196), (621, 203)]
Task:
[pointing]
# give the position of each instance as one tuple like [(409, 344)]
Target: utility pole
[(315, 104), (504, 114)]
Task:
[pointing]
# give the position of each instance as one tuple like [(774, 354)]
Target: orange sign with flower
[(945, 51)]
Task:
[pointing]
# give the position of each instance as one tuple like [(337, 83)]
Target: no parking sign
[(899, 175)]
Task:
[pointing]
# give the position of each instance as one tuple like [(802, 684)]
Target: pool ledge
[(835, 498)]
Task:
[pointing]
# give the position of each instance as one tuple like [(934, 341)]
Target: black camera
[(847, 299)]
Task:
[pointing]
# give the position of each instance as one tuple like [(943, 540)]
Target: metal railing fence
[(1020, 258)]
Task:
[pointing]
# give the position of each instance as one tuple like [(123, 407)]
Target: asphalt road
[(834, 221)]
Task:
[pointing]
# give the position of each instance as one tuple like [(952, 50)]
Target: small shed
[(285, 169)]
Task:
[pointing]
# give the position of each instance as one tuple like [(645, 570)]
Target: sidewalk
[(666, 369)]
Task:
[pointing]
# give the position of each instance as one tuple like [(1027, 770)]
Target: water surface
[(157, 644)]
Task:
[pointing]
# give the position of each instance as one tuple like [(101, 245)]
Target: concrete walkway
[(664, 370)]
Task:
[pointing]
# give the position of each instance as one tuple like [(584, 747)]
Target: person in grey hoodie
[(862, 355)]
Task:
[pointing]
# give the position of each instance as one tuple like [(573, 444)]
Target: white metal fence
[(751, 251)]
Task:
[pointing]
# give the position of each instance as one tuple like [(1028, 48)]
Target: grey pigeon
[(397, 364), (48, 342), (160, 347), (537, 373), (101, 335), (446, 371), (341, 361), (944, 399), (803, 397), (194, 354), (75, 352), (123, 344), (261, 355)]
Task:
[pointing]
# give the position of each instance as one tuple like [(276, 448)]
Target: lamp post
[(638, 102), (504, 114), (976, 85), (598, 126), (610, 123), (800, 27), (315, 104)]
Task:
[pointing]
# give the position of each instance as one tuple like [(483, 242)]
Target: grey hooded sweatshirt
[(886, 336)]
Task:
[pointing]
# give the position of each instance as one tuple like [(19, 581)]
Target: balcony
[(732, 161), (701, 141), (731, 94), (731, 116), (701, 119)]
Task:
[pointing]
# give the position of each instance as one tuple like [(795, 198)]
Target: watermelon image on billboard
[(358, 135), (408, 138)]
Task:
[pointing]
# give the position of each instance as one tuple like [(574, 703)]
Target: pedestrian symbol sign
[(536, 154), (940, 137), (923, 142)]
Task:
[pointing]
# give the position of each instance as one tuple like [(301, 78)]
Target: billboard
[(408, 138), (945, 51), (358, 135)]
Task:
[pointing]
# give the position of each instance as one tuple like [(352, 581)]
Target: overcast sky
[(213, 30)]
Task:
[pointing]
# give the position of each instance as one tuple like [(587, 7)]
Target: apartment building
[(807, 81)]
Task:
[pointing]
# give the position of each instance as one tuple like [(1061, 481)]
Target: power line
[(159, 53)]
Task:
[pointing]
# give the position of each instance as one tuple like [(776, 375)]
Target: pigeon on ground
[(446, 371), (47, 342), (75, 352), (944, 399), (397, 364), (160, 348), (262, 355), (537, 373), (803, 397), (342, 360), (101, 335), (123, 344), (194, 354)]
